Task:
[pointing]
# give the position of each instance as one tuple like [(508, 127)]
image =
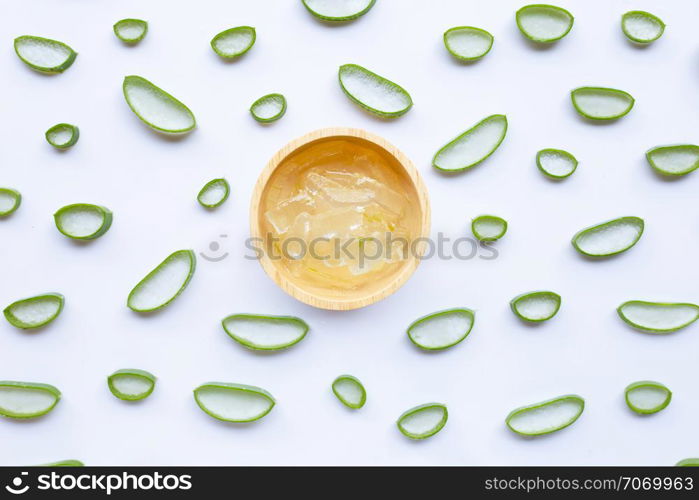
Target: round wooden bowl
[(380, 288)]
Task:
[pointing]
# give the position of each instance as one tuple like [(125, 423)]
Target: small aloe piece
[(268, 108), (676, 160), (488, 227), (338, 10), (10, 200), (27, 399), (536, 306), (234, 42), (44, 54), (131, 384), (164, 283), (556, 163), (350, 391), (473, 146), (658, 317), (214, 193), (601, 103), (423, 421), (609, 238), (265, 333), (374, 93), (642, 27), (546, 417), (468, 43), (63, 463), (156, 108), (131, 30), (544, 23), (62, 135), (647, 397), (233, 402), (688, 462), (83, 221), (34, 312), (442, 329)]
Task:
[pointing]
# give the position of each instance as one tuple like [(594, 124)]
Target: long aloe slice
[(34, 312), (468, 43), (688, 462), (556, 163), (265, 333), (268, 108), (62, 135), (63, 463), (27, 399), (338, 10), (642, 27), (647, 397), (488, 227), (131, 30), (546, 417), (156, 108), (131, 384), (234, 42), (83, 221), (536, 306), (601, 103), (609, 238), (423, 421), (680, 159), (44, 54), (214, 193), (10, 200), (164, 283), (374, 93), (442, 329), (544, 23), (350, 391), (658, 317), (473, 146), (233, 402)]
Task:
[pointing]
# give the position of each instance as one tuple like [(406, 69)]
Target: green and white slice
[(688, 462), (83, 221), (556, 163), (677, 160), (350, 391), (473, 146), (544, 23), (233, 402), (546, 417), (536, 306), (601, 103), (44, 54), (647, 397), (34, 312), (131, 30), (164, 283), (468, 43), (642, 27), (63, 463), (658, 317), (234, 42), (214, 193), (338, 10), (374, 93), (442, 329), (423, 421), (265, 333), (268, 108), (488, 227), (27, 399), (10, 200), (131, 384), (62, 135), (609, 238), (156, 108)]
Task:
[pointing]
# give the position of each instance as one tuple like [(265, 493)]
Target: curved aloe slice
[(546, 417), (63, 135), (234, 42), (164, 283), (34, 312), (473, 146), (536, 306), (10, 200), (647, 397), (214, 193), (556, 163), (658, 317), (609, 238), (468, 43), (131, 384), (442, 329), (83, 221), (544, 23), (600, 103), (350, 391), (131, 30), (233, 402), (63, 463), (674, 160), (488, 227), (268, 108), (374, 93), (265, 333), (338, 10), (44, 54), (156, 108), (27, 399), (642, 27), (423, 421), (688, 462)]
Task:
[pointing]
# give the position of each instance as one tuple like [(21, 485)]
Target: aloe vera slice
[(658, 317), (647, 397), (268, 108), (10, 200), (688, 462), (156, 108), (34, 312), (62, 135), (374, 93), (556, 163), (234, 42), (546, 417), (473, 146), (488, 227), (44, 54), (265, 333), (642, 27), (131, 30), (27, 399), (609, 238), (468, 43), (338, 10), (233, 402), (83, 221), (600, 103), (214, 193), (63, 463), (680, 159), (164, 283), (423, 421), (350, 391), (442, 329), (131, 384), (544, 23), (536, 306)]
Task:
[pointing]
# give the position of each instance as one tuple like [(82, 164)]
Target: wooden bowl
[(278, 171)]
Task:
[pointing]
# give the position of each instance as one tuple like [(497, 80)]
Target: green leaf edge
[(263, 318), (545, 6), (467, 28), (172, 256), (340, 19), (208, 185), (467, 311), (391, 84), (647, 383), (620, 312), (688, 462), (522, 296), (133, 372), (356, 381), (35, 386), (543, 404), (228, 32), (63, 463), (156, 89), (559, 152), (480, 218), (273, 96), (642, 13), (417, 409), (74, 131), (466, 133), (602, 90), (18, 200), (140, 22), (235, 387), (104, 212), (655, 167), (12, 319), (577, 235), (43, 69)]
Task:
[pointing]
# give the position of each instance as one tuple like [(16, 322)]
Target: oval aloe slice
[(642, 27), (350, 391), (423, 421), (338, 10), (468, 43), (63, 463), (234, 42), (265, 333), (688, 462), (374, 93), (674, 160), (233, 402), (546, 417), (268, 108), (647, 397), (556, 163), (473, 146), (131, 384), (10, 200), (488, 227), (609, 238), (544, 23), (214, 193), (131, 30), (83, 221), (34, 312), (156, 108), (164, 283), (442, 329), (600, 103), (27, 399), (658, 317), (44, 54), (536, 306), (63, 135)]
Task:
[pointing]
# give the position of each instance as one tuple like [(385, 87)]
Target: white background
[(150, 183)]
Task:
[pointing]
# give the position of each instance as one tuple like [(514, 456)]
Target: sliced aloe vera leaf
[(658, 317), (679, 159), (338, 10), (131, 384), (350, 391), (10, 200), (688, 462), (556, 163), (488, 227), (27, 399), (233, 402), (423, 421), (44, 54), (265, 333), (546, 417), (442, 329), (601, 103), (268, 108), (164, 283), (234, 42), (131, 30), (214, 193), (63, 463), (62, 135), (156, 108), (468, 43), (536, 306), (642, 27), (544, 23), (374, 93), (473, 146), (34, 312), (647, 397), (83, 221), (609, 238)]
